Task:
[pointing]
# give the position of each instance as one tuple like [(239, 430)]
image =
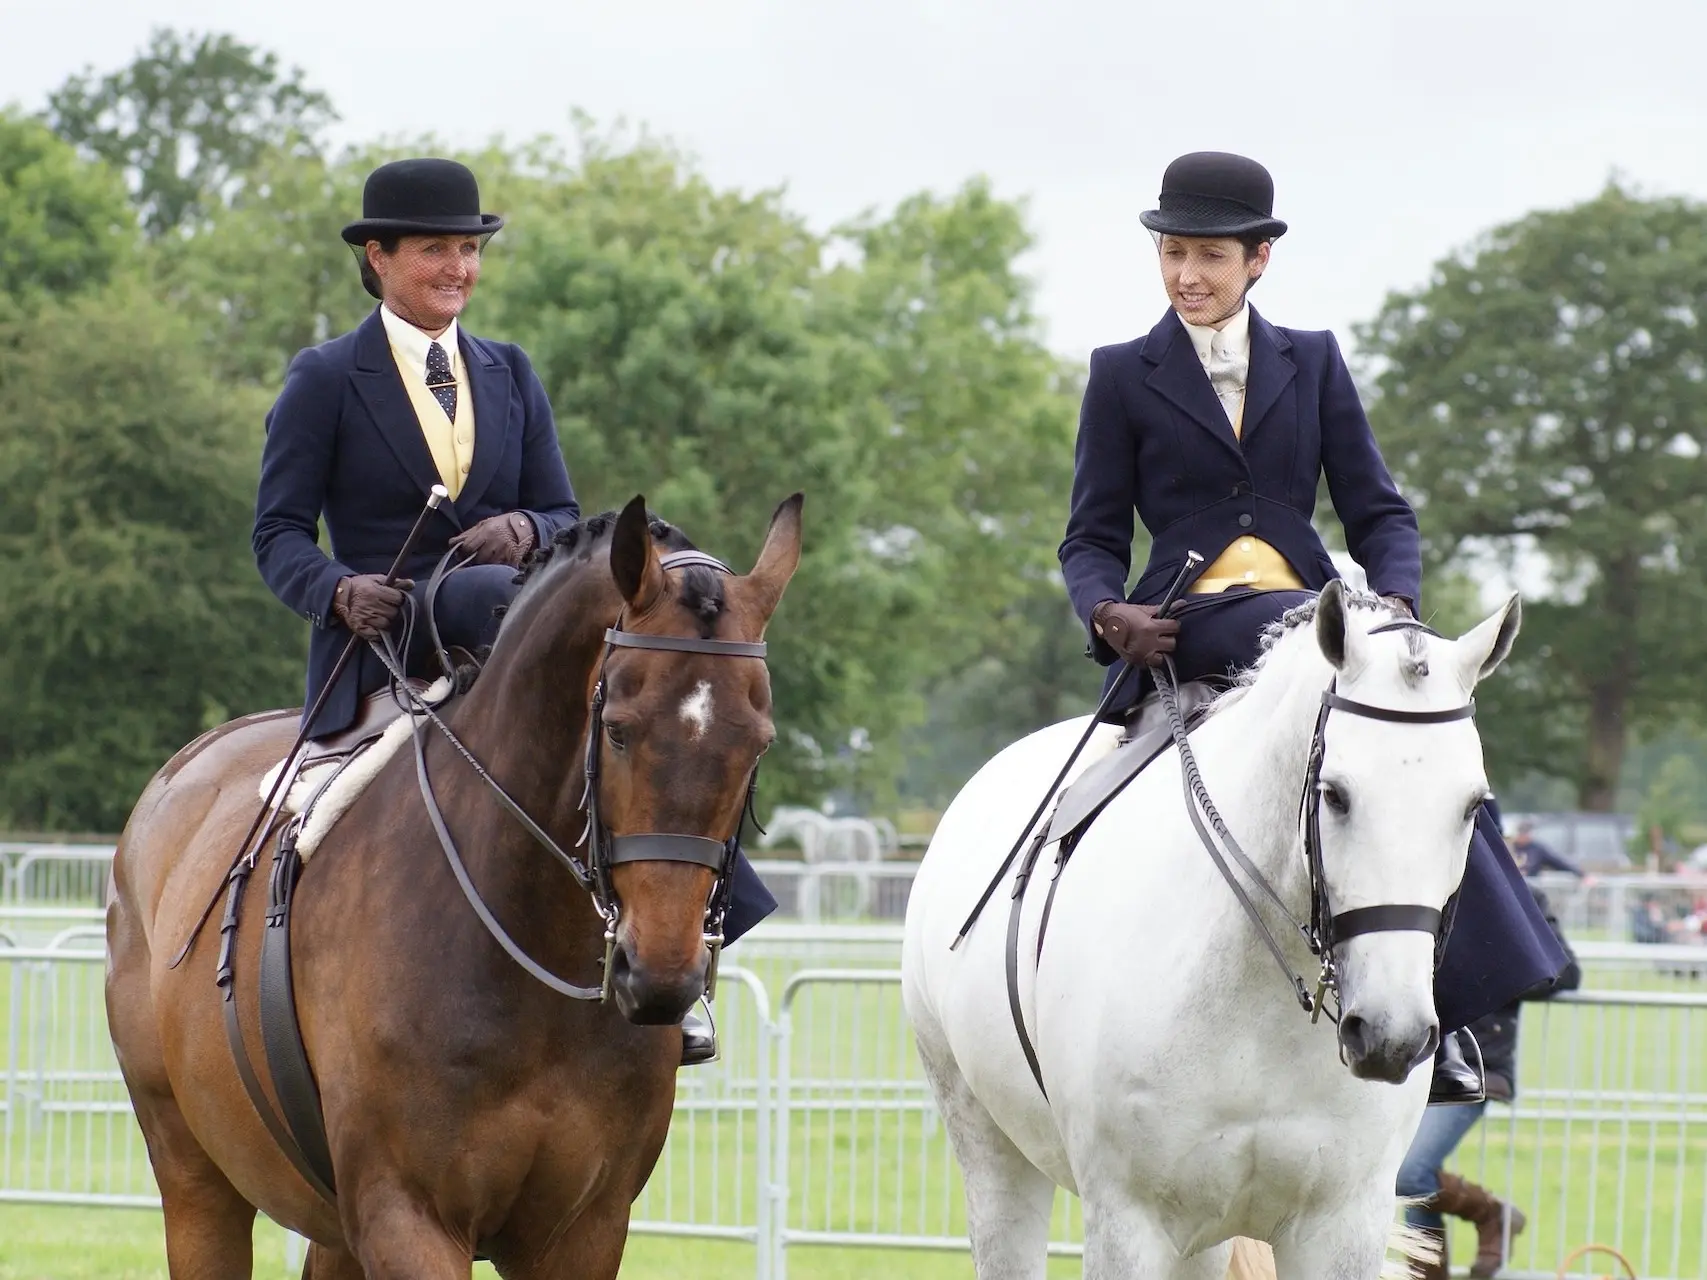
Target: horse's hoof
[(699, 1042)]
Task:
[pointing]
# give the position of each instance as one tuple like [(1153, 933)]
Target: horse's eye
[(1477, 803), (617, 735), (1334, 798)]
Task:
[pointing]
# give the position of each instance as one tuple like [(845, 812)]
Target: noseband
[(605, 851)]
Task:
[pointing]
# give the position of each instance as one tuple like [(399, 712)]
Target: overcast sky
[(1395, 131)]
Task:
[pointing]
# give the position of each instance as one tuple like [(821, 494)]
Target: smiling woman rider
[(1216, 428), (369, 422)]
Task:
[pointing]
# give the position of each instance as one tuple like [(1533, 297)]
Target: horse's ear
[(779, 557), (633, 560), (1482, 648), (1330, 622)]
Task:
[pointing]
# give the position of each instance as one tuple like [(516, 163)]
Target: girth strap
[(226, 980), (1022, 879), (281, 1033)]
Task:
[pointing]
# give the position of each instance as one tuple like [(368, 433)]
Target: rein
[(605, 851), (1325, 929)]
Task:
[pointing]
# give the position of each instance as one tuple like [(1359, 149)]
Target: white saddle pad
[(360, 771)]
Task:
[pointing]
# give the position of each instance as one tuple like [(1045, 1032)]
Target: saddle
[(1145, 737)]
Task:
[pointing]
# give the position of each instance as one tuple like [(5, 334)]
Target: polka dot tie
[(439, 380)]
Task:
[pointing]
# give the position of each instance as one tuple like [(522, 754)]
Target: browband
[(685, 644)]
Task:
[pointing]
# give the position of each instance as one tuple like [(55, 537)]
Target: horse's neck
[(1266, 733), (526, 721)]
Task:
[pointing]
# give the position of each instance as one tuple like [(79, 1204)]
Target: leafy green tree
[(65, 223), (268, 275), (187, 120), (131, 617), (697, 348), (1544, 401)]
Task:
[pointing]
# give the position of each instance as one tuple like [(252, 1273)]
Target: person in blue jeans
[(1443, 1128)]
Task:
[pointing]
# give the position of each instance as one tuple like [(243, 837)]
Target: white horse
[(1190, 1100)]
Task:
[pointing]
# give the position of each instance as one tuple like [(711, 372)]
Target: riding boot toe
[(699, 1041), (1456, 1082)]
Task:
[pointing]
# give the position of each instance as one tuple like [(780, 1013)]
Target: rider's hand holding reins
[(504, 539), (1135, 632), (366, 605)]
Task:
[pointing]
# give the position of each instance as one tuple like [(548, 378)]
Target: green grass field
[(1609, 1142)]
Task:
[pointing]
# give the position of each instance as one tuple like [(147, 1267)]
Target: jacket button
[(1245, 521)]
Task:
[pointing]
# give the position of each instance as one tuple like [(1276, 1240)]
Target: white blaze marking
[(696, 709)]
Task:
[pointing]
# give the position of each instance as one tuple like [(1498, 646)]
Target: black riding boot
[(699, 1041), (1456, 1082)]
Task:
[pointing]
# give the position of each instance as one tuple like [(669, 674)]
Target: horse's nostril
[(1354, 1035)]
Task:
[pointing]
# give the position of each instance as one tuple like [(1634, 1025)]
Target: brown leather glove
[(1135, 632), (365, 605), (501, 539)]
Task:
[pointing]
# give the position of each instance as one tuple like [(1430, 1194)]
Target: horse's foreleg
[(590, 1249), (395, 1237), (330, 1264), (1008, 1199), (1123, 1243), (1350, 1245)]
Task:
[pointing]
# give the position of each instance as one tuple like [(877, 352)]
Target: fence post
[(765, 1245), (781, 1125)]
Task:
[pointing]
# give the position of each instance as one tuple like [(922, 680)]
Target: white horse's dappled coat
[(1190, 1099)]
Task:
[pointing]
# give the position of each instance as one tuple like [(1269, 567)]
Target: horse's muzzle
[(648, 999), (1372, 1055)]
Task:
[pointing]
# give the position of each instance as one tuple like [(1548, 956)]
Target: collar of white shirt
[(411, 343), (1235, 335)]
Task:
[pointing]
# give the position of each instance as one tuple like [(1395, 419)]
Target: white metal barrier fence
[(816, 1127), (1645, 908)]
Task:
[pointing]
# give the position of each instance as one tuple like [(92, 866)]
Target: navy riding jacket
[(343, 442), (1154, 438)]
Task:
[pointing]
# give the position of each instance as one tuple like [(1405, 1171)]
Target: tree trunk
[(1597, 786)]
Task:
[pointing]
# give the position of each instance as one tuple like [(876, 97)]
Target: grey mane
[(1414, 664)]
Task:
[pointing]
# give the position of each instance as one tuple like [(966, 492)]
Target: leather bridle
[(605, 850), (1325, 929)]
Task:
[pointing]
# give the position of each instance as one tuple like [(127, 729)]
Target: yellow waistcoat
[(451, 443)]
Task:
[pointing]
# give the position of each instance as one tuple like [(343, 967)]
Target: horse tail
[(1409, 1251)]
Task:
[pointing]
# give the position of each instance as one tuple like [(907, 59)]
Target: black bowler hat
[(1215, 193), (421, 198)]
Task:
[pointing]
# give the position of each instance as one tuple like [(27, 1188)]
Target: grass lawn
[(51, 1243)]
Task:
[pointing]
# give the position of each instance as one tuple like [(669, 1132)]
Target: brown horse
[(469, 1109)]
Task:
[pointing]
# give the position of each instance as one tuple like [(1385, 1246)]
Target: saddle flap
[(1091, 791), (374, 715)]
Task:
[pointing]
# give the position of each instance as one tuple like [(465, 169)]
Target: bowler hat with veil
[(1215, 193), (425, 197)]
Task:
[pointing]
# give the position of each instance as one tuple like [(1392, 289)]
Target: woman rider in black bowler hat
[(1215, 428)]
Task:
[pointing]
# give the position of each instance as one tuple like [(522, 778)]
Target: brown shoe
[(1496, 1221)]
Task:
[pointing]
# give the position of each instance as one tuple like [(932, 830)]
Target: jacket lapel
[(489, 381), (1271, 369), (380, 386), (1179, 379)]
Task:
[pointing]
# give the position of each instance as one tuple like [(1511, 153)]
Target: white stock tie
[(1227, 371)]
